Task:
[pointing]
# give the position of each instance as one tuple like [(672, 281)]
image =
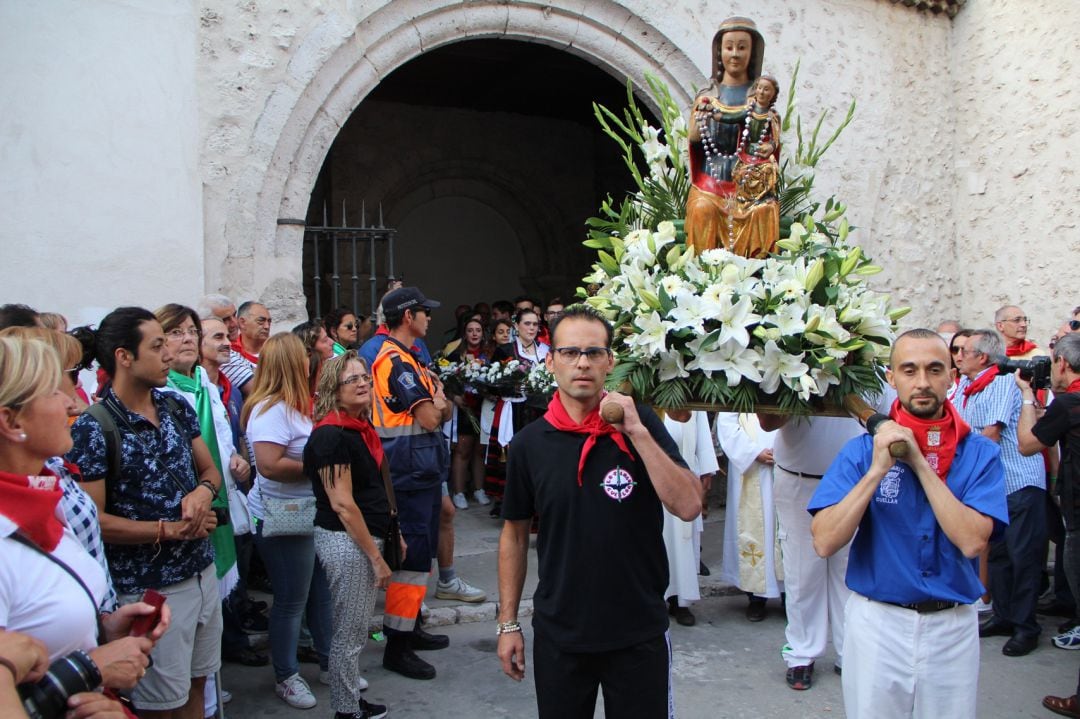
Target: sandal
[(801, 678), (1065, 706)]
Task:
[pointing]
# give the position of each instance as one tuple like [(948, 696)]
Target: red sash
[(31, 502), (1019, 349), (980, 383), (937, 438), (367, 432)]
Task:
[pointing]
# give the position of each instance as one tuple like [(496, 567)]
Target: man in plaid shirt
[(991, 405)]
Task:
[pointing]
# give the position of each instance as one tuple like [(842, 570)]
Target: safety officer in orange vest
[(408, 410)]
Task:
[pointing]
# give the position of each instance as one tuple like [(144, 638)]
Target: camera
[(69, 675), (1035, 370), (222, 514)]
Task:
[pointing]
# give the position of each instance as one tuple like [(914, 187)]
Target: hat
[(757, 51), (404, 298)]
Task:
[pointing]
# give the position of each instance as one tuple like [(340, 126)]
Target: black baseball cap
[(405, 298)]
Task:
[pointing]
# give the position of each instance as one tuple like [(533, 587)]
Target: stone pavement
[(725, 667)]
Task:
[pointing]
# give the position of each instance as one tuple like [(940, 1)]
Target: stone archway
[(333, 70)]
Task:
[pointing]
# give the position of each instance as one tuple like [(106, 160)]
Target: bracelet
[(1029, 401), (507, 628), (157, 540), (213, 490), (5, 662)]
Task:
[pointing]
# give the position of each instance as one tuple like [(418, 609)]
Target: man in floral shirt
[(154, 507)]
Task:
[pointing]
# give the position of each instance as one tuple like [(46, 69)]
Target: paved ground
[(724, 667)]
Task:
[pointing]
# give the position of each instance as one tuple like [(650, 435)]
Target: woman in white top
[(38, 596), (277, 415)]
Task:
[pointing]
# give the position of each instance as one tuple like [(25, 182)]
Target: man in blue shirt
[(911, 645)]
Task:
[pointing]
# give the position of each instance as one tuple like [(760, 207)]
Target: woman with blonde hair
[(343, 461), (282, 505), (50, 587)]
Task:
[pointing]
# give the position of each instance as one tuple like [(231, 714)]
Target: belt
[(927, 607), (803, 475)]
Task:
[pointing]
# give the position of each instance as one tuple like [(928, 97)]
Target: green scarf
[(222, 537), (339, 350)]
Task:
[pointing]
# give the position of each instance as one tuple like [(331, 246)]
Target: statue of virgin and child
[(734, 135)]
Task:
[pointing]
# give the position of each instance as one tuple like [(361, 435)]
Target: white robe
[(683, 539), (751, 554)]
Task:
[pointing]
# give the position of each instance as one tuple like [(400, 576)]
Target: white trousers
[(899, 663), (815, 587)]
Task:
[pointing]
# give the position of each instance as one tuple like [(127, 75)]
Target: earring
[(22, 436)]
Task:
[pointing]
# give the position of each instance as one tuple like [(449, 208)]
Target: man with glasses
[(600, 619), (1012, 323), (408, 409), (990, 403), (253, 329)]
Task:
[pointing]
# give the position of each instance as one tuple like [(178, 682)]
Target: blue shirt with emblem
[(144, 490), (900, 554)]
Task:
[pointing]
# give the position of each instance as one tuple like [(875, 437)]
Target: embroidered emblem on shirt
[(43, 481), (933, 438), (407, 380), (618, 484), (889, 489)]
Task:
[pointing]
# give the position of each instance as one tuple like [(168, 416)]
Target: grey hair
[(987, 342), (1068, 349), (999, 316), (208, 304)]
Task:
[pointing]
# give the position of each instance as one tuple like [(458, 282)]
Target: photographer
[(1060, 423)]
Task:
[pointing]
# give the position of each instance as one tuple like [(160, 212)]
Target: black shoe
[(245, 655), (838, 669), (801, 678), (995, 627), (421, 640), (756, 610), (702, 570), (685, 617), (1020, 644), (367, 711), (496, 509), (307, 655), (1055, 608), (1067, 625), (405, 662)]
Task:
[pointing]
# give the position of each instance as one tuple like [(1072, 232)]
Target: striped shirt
[(238, 369), (999, 403)]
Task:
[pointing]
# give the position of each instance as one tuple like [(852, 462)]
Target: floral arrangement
[(540, 382), (798, 330)]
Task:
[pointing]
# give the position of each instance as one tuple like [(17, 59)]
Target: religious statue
[(734, 149)]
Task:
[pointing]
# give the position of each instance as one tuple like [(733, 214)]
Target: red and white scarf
[(30, 502), (592, 425), (937, 438)]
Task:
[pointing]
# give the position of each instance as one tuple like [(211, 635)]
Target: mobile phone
[(145, 624)]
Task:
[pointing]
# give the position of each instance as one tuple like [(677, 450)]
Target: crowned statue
[(734, 135)]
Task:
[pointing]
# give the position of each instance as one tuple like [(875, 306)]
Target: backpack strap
[(114, 457)]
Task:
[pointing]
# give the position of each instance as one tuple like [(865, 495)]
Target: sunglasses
[(1074, 325), (349, 326)]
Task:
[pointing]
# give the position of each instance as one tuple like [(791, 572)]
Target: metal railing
[(340, 261)]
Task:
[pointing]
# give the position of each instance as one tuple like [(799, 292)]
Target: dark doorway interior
[(486, 159)]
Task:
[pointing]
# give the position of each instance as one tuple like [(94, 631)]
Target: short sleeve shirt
[(282, 425), (329, 446), (1061, 423), (602, 564), (999, 403), (900, 554), (145, 490)]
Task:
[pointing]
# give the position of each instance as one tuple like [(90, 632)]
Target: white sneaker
[(1068, 640), (481, 497), (324, 678), (295, 692), (983, 607), (460, 502), (458, 588)]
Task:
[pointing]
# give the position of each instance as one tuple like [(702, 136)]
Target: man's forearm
[(1026, 440), (676, 486), (965, 527), (513, 564)]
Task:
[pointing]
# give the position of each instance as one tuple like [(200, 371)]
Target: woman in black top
[(342, 460)]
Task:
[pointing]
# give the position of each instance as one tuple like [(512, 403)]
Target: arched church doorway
[(485, 157)]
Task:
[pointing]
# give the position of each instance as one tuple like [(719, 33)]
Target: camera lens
[(69, 675)]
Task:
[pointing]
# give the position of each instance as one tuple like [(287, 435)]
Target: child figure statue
[(756, 173)]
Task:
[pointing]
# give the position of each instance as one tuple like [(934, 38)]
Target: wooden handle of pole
[(611, 413), (860, 410)]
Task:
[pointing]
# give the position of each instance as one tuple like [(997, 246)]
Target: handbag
[(392, 546), (287, 517)]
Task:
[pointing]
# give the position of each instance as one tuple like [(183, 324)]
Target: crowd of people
[(208, 450)]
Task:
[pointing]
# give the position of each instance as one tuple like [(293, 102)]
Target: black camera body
[(1036, 370), (73, 674)]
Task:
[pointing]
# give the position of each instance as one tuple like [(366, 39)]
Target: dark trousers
[(636, 680), (1017, 561)]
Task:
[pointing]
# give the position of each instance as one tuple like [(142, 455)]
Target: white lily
[(652, 339), (788, 319), (779, 365), (671, 366), (690, 312), (652, 148), (735, 318), (735, 361)]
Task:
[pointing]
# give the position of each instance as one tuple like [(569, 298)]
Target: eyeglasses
[(349, 326), (179, 333), (73, 374), (573, 354), (956, 350), (354, 378), (1018, 320)]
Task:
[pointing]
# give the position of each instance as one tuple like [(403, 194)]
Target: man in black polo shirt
[(600, 619)]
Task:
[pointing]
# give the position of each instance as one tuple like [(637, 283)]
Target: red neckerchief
[(1023, 347), (31, 502), (937, 438), (980, 383), (367, 432), (593, 426), (238, 348), (226, 389), (1073, 387)]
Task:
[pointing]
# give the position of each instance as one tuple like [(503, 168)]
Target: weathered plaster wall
[(1016, 84), (99, 144)]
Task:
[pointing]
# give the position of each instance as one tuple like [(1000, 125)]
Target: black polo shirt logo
[(618, 484)]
